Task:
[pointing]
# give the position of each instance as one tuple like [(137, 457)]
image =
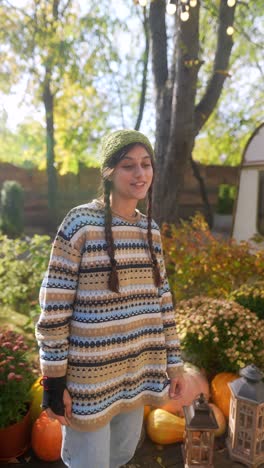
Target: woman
[(106, 332)]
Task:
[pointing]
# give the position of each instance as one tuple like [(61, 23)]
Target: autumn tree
[(48, 43), (183, 104), (179, 117)]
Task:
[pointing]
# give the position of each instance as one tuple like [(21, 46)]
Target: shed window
[(260, 220)]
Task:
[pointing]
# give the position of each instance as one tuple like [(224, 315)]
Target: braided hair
[(113, 281)]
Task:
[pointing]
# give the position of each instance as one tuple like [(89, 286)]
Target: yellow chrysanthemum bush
[(251, 296), (219, 335)]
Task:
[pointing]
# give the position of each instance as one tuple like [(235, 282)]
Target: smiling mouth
[(139, 184)]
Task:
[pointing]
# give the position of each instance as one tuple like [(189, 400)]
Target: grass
[(12, 319)]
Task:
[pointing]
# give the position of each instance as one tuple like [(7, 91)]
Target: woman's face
[(132, 176)]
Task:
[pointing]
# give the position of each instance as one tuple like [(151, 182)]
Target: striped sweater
[(116, 349)]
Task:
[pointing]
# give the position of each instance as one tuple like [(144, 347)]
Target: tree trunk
[(203, 192), (50, 155), (179, 145), (178, 120), (144, 73), (163, 90)]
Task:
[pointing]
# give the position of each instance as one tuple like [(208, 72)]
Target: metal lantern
[(200, 427), (245, 440)]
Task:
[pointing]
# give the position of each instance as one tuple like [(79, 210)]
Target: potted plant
[(16, 378)]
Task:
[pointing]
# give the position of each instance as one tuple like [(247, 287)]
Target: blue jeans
[(110, 447)]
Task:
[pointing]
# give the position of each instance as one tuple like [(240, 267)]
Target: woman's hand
[(67, 401), (176, 387)]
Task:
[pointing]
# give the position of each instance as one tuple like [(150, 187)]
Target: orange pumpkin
[(194, 383), (46, 438), (220, 418), (220, 391), (147, 410), (165, 428)]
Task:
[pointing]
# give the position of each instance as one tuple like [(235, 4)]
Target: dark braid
[(155, 266), (113, 282)]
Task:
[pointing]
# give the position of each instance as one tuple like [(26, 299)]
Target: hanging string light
[(184, 6), (231, 3), (230, 30), (184, 15), (171, 7)]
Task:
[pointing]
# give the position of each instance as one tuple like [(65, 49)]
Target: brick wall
[(77, 189)]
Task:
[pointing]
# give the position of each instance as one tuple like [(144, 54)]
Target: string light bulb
[(193, 3), (142, 3), (184, 15), (171, 8), (231, 3), (230, 30)]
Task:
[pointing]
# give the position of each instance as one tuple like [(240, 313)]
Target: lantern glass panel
[(249, 421), (205, 454), (242, 420), (195, 455)]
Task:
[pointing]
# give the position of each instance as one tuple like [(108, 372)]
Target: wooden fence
[(80, 188)]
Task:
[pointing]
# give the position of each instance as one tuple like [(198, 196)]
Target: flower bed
[(219, 335)]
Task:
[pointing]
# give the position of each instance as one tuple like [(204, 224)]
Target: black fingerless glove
[(53, 388)]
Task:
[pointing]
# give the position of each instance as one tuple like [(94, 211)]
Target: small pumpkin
[(147, 410), (36, 394), (220, 391), (220, 418), (194, 383), (46, 438), (165, 428)]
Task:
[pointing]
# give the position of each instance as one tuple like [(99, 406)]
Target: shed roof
[(254, 151)]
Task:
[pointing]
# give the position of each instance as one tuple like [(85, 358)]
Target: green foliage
[(12, 209), (25, 146), (78, 54), (22, 266), (16, 377), (226, 199), (240, 108), (199, 263), (219, 335), (251, 296)]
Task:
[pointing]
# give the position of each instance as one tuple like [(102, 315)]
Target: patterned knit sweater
[(116, 349)]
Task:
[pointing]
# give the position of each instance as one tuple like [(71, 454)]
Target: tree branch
[(145, 72), (223, 51), (159, 42)]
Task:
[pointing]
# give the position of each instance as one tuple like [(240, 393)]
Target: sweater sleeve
[(174, 361), (57, 296)]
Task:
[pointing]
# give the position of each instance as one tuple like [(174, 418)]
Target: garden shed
[(249, 210)]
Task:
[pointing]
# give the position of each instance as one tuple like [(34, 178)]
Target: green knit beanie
[(117, 140)]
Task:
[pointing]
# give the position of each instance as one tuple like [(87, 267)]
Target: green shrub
[(199, 263), (251, 296), (226, 199), (22, 266), (12, 209), (219, 335)]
